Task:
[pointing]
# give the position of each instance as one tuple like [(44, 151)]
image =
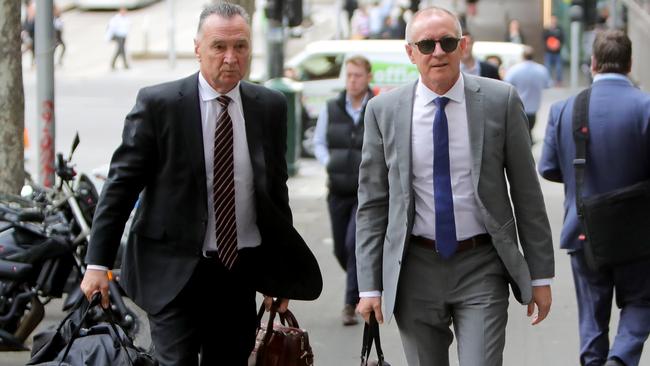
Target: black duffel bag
[(76, 343), (616, 223)]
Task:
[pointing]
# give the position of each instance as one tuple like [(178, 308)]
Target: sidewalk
[(88, 53)]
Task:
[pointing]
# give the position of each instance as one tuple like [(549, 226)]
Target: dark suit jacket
[(489, 71), (161, 159), (618, 153)]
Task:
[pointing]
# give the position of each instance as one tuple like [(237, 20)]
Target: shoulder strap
[(580, 123)]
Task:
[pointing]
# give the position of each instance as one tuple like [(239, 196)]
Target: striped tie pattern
[(223, 187)]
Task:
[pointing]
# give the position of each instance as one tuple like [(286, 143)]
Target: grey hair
[(432, 9), (223, 9)]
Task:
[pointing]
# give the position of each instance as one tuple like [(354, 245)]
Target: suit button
[(399, 262)]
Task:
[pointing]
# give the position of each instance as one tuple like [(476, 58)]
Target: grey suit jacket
[(503, 171)]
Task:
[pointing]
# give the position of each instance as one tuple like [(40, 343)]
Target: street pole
[(339, 25), (44, 52), (613, 14), (275, 44), (575, 53), (172, 32), (575, 13)]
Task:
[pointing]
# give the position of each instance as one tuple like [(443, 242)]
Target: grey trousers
[(469, 290)]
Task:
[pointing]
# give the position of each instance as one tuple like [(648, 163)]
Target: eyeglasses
[(427, 46)]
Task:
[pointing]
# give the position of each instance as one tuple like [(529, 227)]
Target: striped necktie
[(223, 187)]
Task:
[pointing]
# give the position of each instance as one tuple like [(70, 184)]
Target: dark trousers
[(532, 117), (343, 212), (120, 50), (594, 292), (194, 329)]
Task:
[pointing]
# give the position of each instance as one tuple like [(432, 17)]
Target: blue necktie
[(444, 202)]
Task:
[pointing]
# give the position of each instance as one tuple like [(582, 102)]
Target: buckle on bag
[(579, 162)]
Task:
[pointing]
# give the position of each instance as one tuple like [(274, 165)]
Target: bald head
[(423, 13)]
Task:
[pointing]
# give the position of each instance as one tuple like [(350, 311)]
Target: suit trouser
[(469, 290), (343, 212), (594, 292), (222, 332)]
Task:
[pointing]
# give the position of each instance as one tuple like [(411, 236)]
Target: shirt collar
[(474, 70), (456, 93), (348, 101), (611, 76), (207, 93)]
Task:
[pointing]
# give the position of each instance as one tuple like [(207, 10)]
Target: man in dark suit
[(206, 156), (471, 66), (618, 155)]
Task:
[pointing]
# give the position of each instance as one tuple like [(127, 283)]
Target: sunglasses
[(427, 46)]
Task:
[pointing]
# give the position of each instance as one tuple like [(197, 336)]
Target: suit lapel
[(254, 120), (476, 124), (402, 126), (190, 113)]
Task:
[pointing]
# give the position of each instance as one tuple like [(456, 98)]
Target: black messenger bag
[(616, 224)]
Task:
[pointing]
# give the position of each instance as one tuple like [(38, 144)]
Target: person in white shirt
[(117, 31), (446, 166)]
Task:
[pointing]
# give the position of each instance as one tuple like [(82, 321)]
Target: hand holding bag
[(282, 344), (103, 344), (370, 335)]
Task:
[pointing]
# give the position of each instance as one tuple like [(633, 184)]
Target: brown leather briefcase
[(283, 344)]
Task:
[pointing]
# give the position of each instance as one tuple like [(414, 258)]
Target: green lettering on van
[(393, 73)]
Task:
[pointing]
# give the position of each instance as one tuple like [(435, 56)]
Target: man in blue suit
[(618, 155)]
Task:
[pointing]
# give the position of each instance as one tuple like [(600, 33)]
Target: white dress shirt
[(467, 213), (118, 26), (248, 234)]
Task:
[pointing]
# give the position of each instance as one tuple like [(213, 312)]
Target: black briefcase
[(616, 224)]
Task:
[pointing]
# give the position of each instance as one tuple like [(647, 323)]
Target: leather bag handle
[(370, 335), (287, 319), (95, 301)]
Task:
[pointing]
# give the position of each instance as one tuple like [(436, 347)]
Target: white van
[(320, 68)]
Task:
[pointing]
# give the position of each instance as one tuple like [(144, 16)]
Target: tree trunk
[(11, 99)]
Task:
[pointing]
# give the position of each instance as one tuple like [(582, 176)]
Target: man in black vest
[(337, 145), (472, 66)]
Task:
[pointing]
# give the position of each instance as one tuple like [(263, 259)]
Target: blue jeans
[(554, 61)]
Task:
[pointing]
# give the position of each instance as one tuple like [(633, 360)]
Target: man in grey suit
[(442, 160)]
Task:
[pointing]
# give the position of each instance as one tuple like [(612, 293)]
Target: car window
[(319, 67)]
